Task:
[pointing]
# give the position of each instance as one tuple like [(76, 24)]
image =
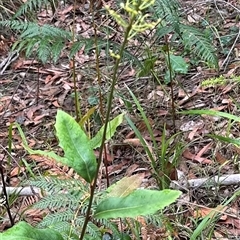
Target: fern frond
[(168, 12), (51, 219), (110, 226), (32, 29), (66, 230), (59, 201), (62, 222), (54, 185), (17, 25), (31, 6), (46, 40), (194, 40), (92, 229), (155, 219)]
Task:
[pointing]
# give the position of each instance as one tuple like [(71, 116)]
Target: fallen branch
[(21, 191), (233, 179)]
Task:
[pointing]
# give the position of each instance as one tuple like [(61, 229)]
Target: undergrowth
[(77, 209)]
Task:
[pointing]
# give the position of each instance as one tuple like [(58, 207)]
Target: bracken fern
[(34, 5), (48, 41), (192, 38), (67, 201)]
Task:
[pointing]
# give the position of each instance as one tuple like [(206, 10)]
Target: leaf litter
[(31, 93)]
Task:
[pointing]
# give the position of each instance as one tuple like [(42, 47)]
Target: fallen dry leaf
[(188, 155), (16, 171), (210, 212), (220, 158)]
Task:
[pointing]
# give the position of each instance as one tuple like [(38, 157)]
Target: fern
[(32, 5), (192, 38), (155, 219), (52, 201), (168, 12), (67, 200), (52, 219), (198, 44), (110, 225), (53, 185), (92, 229), (46, 40)]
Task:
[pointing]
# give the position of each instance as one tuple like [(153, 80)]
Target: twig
[(233, 179), (4, 191), (21, 191)]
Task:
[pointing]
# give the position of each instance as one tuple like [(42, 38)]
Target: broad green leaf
[(78, 152), (125, 186), (111, 129), (24, 231), (213, 113), (140, 202), (178, 64)]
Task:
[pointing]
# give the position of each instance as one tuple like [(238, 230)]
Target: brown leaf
[(126, 185), (16, 171), (133, 141), (108, 158), (32, 110), (131, 169), (188, 155), (235, 222), (220, 158), (210, 212), (204, 149)]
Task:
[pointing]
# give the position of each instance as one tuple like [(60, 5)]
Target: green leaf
[(140, 202), (111, 129), (226, 139), (24, 231), (178, 64), (125, 186), (213, 113), (78, 152), (147, 67)]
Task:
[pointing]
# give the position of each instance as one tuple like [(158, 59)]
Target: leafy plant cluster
[(77, 208), (68, 199)]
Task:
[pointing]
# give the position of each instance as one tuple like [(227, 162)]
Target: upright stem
[(77, 105), (109, 104), (171, 84)]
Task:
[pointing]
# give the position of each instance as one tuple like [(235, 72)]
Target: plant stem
[(109, 107), (76, 99), (171, 84)]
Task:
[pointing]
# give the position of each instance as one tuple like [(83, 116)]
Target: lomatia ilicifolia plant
[(77, 209)]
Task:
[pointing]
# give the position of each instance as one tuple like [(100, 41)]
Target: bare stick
[(233, 179), (21, 191)]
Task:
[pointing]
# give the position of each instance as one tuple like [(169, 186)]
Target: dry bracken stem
[(171, 84), (99, 86), (76, 100)]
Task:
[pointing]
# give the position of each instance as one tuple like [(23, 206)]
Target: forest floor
[(31, 94)]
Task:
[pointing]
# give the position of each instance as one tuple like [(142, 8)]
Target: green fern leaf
[(201, 46)]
